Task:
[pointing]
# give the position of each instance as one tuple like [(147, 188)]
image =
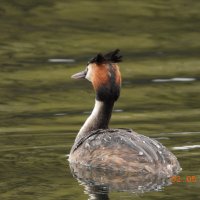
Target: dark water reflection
[(98, 182), (41, 108)]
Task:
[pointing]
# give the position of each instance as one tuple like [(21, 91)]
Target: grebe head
[(103, 72)]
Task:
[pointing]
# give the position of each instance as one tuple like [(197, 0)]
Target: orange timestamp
[(187, 179)]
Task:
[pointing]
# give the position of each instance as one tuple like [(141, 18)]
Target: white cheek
[(89, 73)]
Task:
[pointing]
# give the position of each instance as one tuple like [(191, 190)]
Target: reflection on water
[(98, 182), (187, 147), (61, 60), (174, 80), (44, 42)]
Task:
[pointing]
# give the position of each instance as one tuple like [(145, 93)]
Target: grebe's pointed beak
[(79, 75)]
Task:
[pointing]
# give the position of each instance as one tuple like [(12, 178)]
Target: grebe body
[(115, 149)]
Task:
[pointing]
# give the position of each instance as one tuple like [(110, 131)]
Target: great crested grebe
[(115, 149)]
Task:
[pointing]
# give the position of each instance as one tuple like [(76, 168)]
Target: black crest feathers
[(112, 56)]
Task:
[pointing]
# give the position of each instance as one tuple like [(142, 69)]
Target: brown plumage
[(124, 150)]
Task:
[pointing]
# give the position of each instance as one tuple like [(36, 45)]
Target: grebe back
[(115, 149)]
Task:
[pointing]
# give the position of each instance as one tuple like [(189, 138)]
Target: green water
[(41, 108)]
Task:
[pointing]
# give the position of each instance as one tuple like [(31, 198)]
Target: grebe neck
[(98, 119)]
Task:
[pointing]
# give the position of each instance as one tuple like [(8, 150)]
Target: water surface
[(41, 108)]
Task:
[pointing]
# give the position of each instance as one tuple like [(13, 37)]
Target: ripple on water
[(118, 110), (60, 114), (183, 133), (186, 147), (61, 60), (176, 79)]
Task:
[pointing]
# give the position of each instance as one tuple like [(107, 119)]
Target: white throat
[(99, 118)]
